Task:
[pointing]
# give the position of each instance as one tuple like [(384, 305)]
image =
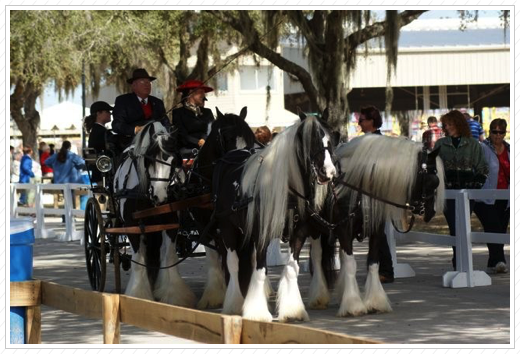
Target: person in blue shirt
[(66, 165), (476, 129), (26, 172)]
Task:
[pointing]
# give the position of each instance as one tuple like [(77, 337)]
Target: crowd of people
[(470, 159)]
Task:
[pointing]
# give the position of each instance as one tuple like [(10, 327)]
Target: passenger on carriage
[(99, 137), (192, 119), (133, 110)]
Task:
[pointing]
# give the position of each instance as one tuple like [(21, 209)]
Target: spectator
[(51, 149), (26, 172), (17, 157), (464, 164), (370, 121), (66, 165), (44, 155), (494, 214), (434, 133), (476, 129), (263, 135)]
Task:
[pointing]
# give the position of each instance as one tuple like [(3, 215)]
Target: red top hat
[(193, 84)]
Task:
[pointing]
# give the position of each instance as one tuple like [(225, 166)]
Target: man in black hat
[(133, 110)]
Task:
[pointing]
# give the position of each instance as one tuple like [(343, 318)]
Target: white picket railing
[(464, 275), (42, 230)]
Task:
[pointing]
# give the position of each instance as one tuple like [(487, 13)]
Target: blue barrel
[(21, 256)]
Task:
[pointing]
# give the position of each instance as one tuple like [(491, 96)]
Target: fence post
[(231, 329), (38, 204), (401, 270), (14, 201), (464, 276), (111, 319), (69, 221)]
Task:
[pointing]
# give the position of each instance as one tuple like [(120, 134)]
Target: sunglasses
[(501, 132)]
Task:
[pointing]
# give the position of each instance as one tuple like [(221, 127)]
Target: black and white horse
[(142, 180), (229, 132), (384, 179), (252, 208)]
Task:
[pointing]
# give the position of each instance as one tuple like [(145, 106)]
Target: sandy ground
[(423, 311)]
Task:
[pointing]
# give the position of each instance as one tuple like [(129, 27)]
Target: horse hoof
[(304, 317), (318, 305)]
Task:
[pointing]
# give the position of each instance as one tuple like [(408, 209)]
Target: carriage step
[(201, 201), (137, 230)]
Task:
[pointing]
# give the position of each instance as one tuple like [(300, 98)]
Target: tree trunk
[(25, 115)]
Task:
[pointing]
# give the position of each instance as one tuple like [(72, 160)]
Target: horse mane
[(151, 140), (386, 167), (270, 173)]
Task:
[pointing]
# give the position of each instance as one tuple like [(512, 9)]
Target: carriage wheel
[(95, 249)]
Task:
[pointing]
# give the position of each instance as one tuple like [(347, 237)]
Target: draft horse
[(148, 171), (382, 179), (252, 209)]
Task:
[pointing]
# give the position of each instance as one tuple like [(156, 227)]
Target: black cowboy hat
[(100, 106), (140, 74)]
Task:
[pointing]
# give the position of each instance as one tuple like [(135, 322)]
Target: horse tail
[(328, 260)]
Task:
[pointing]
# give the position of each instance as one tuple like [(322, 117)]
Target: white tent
[(65, 116)]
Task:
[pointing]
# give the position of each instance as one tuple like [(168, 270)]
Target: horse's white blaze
[(348, 290), (170, 288), (289, 302), (215, 289), (234, 299), (319, 296), (255, 305), (160, 188), (328, 165), (375, 296), (139, 285)]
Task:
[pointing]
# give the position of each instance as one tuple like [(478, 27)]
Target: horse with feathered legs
[(143, 180), (228, 132), (383, 179), (252, 209)]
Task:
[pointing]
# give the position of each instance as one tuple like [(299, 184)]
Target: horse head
[(315, 146)]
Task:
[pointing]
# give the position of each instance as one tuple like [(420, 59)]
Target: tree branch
[(244, 25), (378, 29)]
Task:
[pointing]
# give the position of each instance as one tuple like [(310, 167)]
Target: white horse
[(295, 162), (142, 180), (383, 179)]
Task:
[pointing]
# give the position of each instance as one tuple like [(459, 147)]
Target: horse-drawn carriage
[(105, 232), (281, 191)]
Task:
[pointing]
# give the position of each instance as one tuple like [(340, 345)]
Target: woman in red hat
[(192, 119)]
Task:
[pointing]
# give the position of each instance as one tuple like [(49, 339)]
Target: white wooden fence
[(464, 275), (39, 211)]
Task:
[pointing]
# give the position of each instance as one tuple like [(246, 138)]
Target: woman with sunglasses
[(494, 214)]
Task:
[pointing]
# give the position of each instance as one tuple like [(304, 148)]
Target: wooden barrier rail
[(195, 325)]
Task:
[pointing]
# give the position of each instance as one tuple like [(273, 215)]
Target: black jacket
[(128, 113), (103, 141), (191, 128)]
